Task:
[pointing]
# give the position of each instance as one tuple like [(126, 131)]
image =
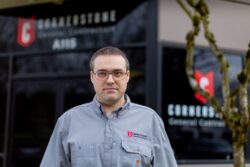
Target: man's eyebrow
[(117, 69)]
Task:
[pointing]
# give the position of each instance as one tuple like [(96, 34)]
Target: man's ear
[(91, 76), (128, 73)]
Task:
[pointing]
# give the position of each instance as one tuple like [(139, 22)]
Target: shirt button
[(108, 147)]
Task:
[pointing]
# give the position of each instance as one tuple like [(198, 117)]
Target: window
[(194, 128), (55, 63)]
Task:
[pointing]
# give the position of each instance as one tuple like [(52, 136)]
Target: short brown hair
[(108, 50)]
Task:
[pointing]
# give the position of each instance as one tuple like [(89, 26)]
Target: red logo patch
[(26, 31), (130, 134), (139, 135), (206, 82)]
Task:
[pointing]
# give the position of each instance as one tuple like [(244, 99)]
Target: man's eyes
[(102, 73), (118, 73)]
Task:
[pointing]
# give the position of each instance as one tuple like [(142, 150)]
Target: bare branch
[(244, 78), (185, 8), (189, 60), (202, 8)]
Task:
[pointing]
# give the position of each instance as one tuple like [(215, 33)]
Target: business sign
[(194, 128), (72, 26), (181, 104)]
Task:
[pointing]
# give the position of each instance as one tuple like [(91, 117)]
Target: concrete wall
[(229, 21)]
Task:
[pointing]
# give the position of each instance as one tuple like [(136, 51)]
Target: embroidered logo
[(133, 134), (130, 134)]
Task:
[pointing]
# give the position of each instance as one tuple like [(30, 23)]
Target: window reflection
[(136, 85), (64, 62), (77, 93), (3, 96), (33, 122)]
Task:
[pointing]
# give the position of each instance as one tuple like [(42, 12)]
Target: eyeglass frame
[(108, 73)]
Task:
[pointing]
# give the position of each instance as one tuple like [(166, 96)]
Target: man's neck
[(109, 108)]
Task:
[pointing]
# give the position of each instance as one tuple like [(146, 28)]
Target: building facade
[(44, 55)]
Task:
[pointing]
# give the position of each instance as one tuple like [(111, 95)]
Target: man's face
[(109, 90)]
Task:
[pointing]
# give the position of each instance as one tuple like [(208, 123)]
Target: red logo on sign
[(130, 134), (206, 82), (26, 31)]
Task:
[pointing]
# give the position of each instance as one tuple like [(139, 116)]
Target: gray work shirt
[(133, 136)]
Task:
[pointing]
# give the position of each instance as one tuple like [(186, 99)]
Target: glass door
[(35, 108)]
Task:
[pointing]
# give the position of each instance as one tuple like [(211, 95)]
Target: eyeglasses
[(116, 74)]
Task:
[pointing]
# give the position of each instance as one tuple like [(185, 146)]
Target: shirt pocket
[(83, 155), (136, 154)]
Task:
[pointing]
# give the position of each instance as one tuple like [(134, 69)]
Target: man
[(110, 131)]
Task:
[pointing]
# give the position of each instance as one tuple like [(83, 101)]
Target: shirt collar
[(99, 110)]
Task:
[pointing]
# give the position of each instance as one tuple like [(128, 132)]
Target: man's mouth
[(110, 89)]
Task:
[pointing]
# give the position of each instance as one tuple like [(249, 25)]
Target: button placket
[(108, 145)]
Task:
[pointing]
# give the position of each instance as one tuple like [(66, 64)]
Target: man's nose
[(110, 78)]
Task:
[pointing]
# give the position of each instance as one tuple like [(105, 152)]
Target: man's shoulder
[(143, 109), (74, 111), (140, 107), (80, 107)]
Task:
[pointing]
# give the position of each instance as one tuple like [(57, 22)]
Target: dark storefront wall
[(45, 62), (4, 71)]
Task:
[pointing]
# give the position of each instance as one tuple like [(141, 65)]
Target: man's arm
[(56, 154), (162, 150)]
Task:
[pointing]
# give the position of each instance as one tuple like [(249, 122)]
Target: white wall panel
[(229, 22)]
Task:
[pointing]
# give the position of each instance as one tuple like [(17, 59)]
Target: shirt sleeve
[(57, 153), (162, 150)]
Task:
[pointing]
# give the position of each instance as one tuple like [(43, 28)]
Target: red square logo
[(206, 82)]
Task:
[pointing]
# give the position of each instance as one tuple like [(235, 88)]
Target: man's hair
[(108, 51)]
